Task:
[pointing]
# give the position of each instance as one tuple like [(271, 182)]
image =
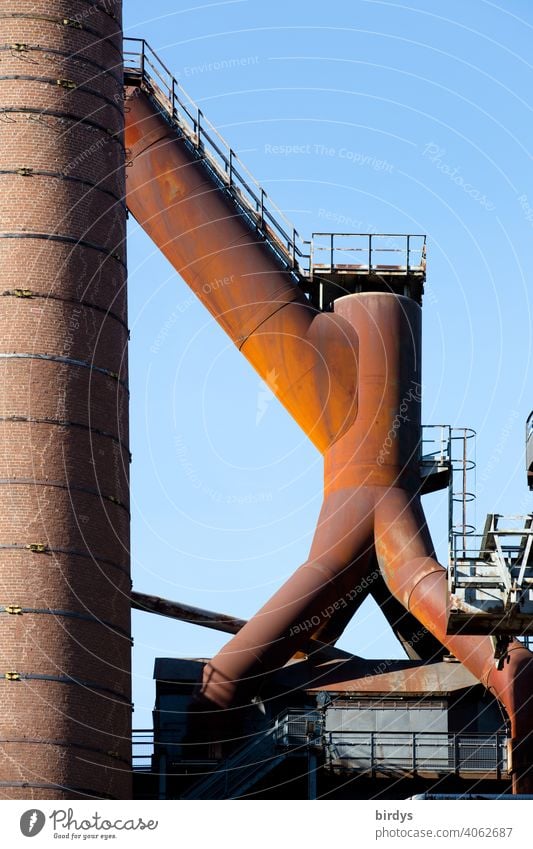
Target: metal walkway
[(371, 753), (492, 588), (321, 281)]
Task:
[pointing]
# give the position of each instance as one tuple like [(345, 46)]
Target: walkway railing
[(416, 752), (368, 251), (142, 749), (491, 583), (140, 61), (358, 751)]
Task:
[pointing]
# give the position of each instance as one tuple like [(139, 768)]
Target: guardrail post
[(369, 252), (293, 247), (230, 176), (198, 127), (413, 743), (311, 774), (262, 206), (456, 763), (162, 764), (408, 252)]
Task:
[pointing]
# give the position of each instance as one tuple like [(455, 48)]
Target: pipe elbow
[(336, 376)]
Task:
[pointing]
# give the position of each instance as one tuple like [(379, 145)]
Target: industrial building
[(280, 711)]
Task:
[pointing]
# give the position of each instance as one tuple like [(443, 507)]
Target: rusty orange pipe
[(415, 577), (309, 359), (318, 365), (331, 579), (371, 479)]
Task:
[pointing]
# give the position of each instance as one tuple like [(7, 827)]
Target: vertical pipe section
[(381, 448), (65, 699)]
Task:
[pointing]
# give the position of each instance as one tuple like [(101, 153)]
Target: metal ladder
[(292, 733), (446, 456)]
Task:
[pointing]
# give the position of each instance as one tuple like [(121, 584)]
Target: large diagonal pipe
[(371, 505), (309, 359)]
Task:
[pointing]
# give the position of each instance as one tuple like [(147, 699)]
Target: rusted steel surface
[(368, 350), (417, 642), (385, 677), (381, 447), (309, 359), (338, 561), (315, 649), (185, 612), (379, 450)]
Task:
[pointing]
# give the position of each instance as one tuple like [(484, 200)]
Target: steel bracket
[(68, 84), (38, 547)]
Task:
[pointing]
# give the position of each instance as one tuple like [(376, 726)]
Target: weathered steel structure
[(344, 342)]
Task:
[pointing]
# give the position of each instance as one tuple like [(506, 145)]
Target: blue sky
[(408, 118)]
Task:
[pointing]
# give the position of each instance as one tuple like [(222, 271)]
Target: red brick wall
[(65, 726)]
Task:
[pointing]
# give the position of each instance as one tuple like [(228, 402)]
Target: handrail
[(370, 245), (216, 152), (142, 749), (442, 441), (260, 752), (140, 60), (417, 750), (412, 751), (505, 547)]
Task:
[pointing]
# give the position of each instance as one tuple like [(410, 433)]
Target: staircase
[(291, 734)]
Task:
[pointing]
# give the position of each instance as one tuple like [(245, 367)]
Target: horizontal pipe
[(185, 613), (219, 622)]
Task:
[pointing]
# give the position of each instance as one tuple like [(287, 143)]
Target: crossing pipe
[(367, 351)]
